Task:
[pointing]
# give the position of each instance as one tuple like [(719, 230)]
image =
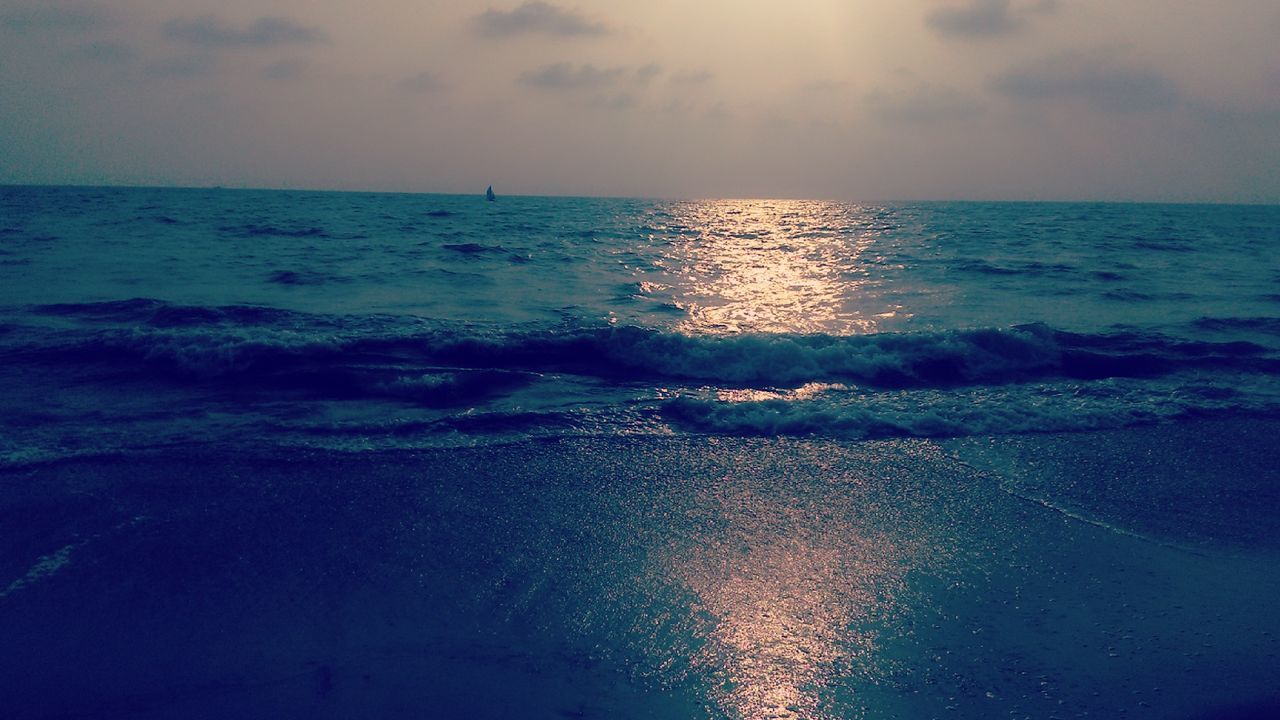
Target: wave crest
[(247, 342)]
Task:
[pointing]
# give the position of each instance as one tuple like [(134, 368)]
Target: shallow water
[(614, 577)]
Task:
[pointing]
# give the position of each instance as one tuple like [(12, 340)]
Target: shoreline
[(651, 577)]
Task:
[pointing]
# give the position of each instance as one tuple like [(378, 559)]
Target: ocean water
[(144, 318), (332, 455)]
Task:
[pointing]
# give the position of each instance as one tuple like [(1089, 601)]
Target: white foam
[(44, 567)]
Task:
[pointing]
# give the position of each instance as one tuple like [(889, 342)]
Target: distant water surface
[(133, 318)]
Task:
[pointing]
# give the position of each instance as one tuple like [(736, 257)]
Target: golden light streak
[(775, 267)]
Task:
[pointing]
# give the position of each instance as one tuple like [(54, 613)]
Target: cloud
[(645, 73), (538, 18), (182, 66), (926, 104), (980, 18), (1103, 82), (52, 15), (619, 102), (718, 112), (986, 18), (565, 76), (1222, 115), (103, 52), (211, 32), (290, 69), (824, 87), (691, 77), (420, 83)]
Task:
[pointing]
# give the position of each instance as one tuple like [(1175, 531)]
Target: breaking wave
[(241, 342), (838, 411)]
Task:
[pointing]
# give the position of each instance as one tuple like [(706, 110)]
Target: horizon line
[(974, 200)]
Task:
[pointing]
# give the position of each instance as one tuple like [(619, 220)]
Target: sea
[(284, 454), (143, 318)]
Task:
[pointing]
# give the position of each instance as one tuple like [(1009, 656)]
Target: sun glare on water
[(794, 590), (776, 266)]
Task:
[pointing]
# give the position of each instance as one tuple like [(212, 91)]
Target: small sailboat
[(488, 194)]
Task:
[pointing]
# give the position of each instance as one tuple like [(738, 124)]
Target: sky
[(858, 100)]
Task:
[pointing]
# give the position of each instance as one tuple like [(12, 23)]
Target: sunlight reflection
[(808, 391), (775, 266), (794, 590)]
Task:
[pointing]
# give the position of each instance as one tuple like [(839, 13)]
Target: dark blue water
[(133, 318), (216, 374)]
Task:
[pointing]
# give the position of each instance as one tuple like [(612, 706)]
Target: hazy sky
[(842, 99)]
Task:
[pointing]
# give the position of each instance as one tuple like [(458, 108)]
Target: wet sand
[(1130, 573)]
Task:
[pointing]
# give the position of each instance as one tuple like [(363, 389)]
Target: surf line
[(1002, 483), (45, 567), (1079, 517)]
